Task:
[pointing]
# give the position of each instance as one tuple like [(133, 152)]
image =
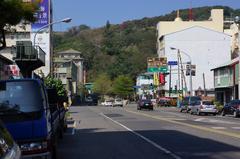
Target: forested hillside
[(122, 49)]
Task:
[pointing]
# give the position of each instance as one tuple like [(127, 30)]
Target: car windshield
[(207, 103), (20, 96), (236, 102), (146, 101)]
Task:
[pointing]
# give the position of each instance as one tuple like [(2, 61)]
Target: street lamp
[(190, 63), (65, 20)]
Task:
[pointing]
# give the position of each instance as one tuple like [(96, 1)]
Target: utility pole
[(178, 55), (204, 85), (170, 80)]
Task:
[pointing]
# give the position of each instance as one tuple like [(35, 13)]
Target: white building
[(25, 31), (143, 84), (207, 49)]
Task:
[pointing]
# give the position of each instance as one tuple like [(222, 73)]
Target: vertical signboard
[(155, 79), (42, 16), (43, 38)]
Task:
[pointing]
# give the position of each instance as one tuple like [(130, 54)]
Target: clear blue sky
[(95, 13)]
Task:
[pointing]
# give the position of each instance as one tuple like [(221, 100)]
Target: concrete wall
[(215, 22), (208, 49)]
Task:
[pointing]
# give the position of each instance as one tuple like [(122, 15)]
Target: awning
[(229, 63)]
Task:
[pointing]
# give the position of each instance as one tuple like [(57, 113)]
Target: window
[(24, 96)]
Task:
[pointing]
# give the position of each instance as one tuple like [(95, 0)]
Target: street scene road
[(119, 79), (115, 132)]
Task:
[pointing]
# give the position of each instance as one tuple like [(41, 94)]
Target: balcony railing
[(29, 53)]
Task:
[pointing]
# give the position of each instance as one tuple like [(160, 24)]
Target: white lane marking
[(218, 127), (73, 129), (199, 119), (237, 128), (144, 138), (206, 120)]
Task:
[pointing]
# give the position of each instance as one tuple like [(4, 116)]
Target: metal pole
[(178, 73), (204, 85), (170, 80), (190, 77)]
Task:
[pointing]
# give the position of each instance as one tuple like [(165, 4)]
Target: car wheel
[(235, 114), (223, 113), (181, 110), (214, 114), (191, 112)]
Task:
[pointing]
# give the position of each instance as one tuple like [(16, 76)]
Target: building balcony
[(28, 57)]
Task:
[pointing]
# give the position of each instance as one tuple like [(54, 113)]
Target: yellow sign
[(155, 79), (157, 62)]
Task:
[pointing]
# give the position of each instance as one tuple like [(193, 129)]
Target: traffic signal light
[(175, 88), (162, 79)]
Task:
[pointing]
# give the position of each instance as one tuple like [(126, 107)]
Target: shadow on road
[(94, 143)]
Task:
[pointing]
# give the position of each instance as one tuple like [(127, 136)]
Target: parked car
[(32, 119), (91, 100), (8, 148), (204, 107), (188, 102), (118, 102), (108, 103), (145, 104), (233, 108), (164, 102)]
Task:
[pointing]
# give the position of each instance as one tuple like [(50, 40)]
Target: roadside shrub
[(219, 106)]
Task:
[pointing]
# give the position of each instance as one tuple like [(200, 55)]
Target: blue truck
[(32, 116)]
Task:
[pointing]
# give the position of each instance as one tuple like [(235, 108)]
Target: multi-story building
[(69, 65), (144, 85), (226, 81), (26, 31), (204, 41), (215, 23)]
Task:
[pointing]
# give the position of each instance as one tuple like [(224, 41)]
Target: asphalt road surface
[(127, 133)]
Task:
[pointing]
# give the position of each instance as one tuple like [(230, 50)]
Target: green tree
[(123, 86), (13, 12), (102, 85), (57, 84)]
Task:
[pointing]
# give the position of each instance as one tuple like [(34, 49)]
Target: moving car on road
[(145, 104), (233, 108), (204, 107), (118, 102), (108, 103)]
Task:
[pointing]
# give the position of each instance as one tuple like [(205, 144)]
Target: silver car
[(118, 102), (204, 107)]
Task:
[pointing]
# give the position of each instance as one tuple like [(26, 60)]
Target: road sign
[(156, 62), (162, 69), (172, 63)]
